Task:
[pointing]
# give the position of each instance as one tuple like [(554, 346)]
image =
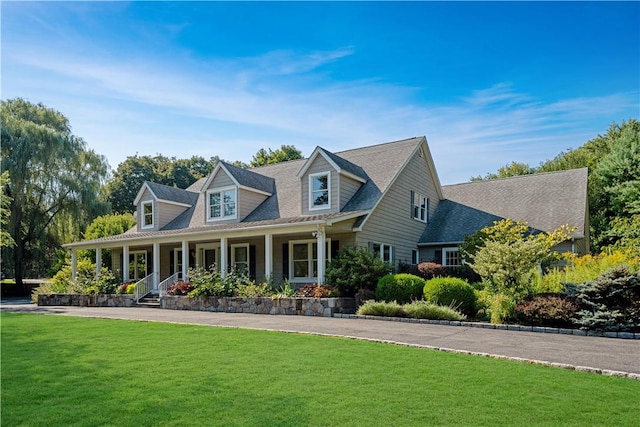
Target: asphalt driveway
[(610, 356)]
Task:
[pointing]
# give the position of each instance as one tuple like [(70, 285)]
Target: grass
[(75, 371)]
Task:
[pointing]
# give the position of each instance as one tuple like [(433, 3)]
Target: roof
[(169, 194), (545, 201), (245, 178)]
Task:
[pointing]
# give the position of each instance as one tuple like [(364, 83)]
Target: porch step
[(150, 301)]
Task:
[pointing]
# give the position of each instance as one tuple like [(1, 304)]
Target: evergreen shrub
[(452, 292), (401, 287)]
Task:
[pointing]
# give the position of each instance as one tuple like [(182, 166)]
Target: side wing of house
[(402, 213)]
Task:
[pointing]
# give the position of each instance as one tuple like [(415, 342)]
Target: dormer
[(328, 182), (157, 205), (232, 193)]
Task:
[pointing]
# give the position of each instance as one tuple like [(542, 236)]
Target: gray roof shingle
[(248, 178), (545, 201), (172, 194)]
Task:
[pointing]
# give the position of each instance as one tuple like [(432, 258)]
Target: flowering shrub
[(314, 291), (179, 288)]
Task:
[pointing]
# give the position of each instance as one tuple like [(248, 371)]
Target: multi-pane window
[(240, 258), (137, 265), (221, 204), (383, 251), (303, 259), (319, 194), (420, 207), (451, 257), (147, 214)]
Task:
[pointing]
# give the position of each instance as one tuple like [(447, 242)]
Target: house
[(286, 221)]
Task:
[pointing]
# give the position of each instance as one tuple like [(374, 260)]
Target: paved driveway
[(614, 356)]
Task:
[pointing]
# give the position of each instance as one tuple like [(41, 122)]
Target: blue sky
[(486, 83)]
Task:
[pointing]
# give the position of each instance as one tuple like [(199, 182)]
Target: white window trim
[(312, 207), (177, 260), (381, 254), (445, 251), (143, 216), (310, 243), (222, 216), (200, 248), (415, 256), (233, 256), (423, 199), (143, 273)]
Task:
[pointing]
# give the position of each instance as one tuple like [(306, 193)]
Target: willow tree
[(54, 186)]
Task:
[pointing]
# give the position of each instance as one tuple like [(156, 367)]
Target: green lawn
[(75, 371)]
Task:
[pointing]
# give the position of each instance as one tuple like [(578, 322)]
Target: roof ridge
[(516, 176), (379, 145)]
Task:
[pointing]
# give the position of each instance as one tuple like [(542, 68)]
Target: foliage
[(128, 178), (285, 291), (86, 282), (611, 302), (126, 288), (209, 283), (501, 308), (315, 291), (381, 308), (549, 309), (104, 226), (6, 241), (54, 186), (180, 287), (364, 295), (582, 269), (429, 270), (625, 232), (401, 287), (282, 154), (506, 255), (414, 309), (452, 292), (254, 290), (355, 268), (512, 169)]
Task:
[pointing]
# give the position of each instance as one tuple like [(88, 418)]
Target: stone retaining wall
[(84, 300), (325, 307)]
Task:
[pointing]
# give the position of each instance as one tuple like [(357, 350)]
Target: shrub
[(253, 290), (131, 289), (400, 287), (315, 291), (364, 295), (179, 288), (501, 308), (555, 310), (378, 308), (611, 302), (452, 292), (427, 310), (355, 268), (429, 270)]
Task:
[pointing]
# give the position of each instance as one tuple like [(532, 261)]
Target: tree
[(283, 154), (508, 253), (128, 178), (54, 186), (6, 241), (512, 169)]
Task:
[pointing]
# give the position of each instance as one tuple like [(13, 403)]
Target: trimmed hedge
[(451, 291), (402, 288)]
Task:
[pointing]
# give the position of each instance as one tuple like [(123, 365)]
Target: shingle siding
[(221, 180)]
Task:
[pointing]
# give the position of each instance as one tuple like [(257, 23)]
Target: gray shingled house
[(287, 220)]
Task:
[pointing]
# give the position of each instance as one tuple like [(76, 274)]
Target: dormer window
[(147, 214), (319, 191), (222, 204)]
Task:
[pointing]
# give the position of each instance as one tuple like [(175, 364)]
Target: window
[(451, 257), (240, 258), (147, 214), (177, 260), (415, 257), (137, 265), (319, 192), (221, 204), (303, 259), (420, 207), (384, 251)]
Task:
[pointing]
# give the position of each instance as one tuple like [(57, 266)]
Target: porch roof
[(282, 223)]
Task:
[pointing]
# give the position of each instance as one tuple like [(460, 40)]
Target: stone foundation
[(325, 307), (84, 300)]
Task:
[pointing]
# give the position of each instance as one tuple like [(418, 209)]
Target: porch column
[(320, 236), (223, 257), (74, 264), (125, 263), (98, 260), (156, 265), (268, 256), (185, 259)]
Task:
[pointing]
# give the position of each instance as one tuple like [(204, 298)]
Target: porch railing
[(162, 287), (144, 286)]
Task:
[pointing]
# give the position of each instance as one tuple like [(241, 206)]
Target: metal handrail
[(144, 286), (162, 287)]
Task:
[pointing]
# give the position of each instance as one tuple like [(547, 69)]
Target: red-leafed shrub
[(179, 288), (548, 309), (429, 270), (314, 291)]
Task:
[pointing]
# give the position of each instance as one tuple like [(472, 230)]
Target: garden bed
[(87, 300)]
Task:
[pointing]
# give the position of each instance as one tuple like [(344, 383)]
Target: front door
[(207, 255)]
